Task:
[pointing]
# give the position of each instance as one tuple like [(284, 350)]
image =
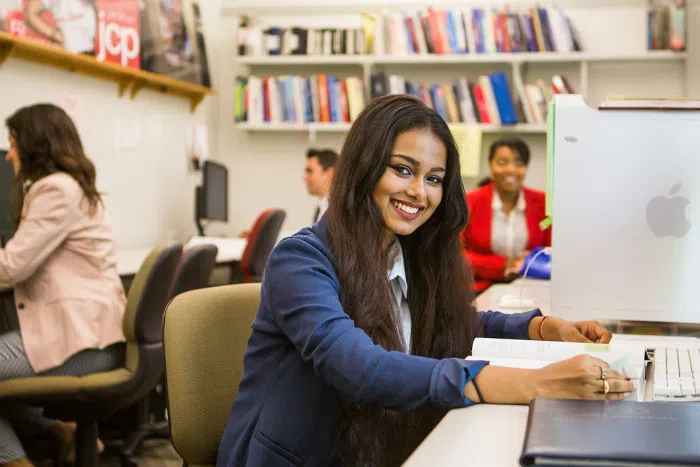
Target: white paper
[(623, 357), (197, 146), (127, 136), (74, 106)]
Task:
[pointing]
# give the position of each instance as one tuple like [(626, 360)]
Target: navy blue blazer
[(305, 354)]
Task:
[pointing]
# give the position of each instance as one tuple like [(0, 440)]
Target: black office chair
[(193, 272)]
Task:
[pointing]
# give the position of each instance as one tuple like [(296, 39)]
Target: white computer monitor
[(626, 213)]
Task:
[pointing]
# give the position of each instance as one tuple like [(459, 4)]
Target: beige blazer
[(62, 265)]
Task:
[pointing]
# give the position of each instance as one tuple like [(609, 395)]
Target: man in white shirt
[(318, 175)]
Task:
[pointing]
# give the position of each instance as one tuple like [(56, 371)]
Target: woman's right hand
[(579, 378)]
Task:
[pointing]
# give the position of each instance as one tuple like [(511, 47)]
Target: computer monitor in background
[(7, 207), (211, 199)]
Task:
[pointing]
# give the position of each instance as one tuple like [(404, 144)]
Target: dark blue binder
[(606, 433)]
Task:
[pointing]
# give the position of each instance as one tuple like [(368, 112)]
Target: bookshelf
[(344, 127), (129, 80), (522, 68), (369, 64), (432, 59)]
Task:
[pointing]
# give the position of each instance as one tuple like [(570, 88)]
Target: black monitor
[(211, 199), (7, 207)]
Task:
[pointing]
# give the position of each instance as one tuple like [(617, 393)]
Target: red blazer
[(476, 237)]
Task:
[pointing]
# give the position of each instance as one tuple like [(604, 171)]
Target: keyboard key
[(684, 362), (662, 391)]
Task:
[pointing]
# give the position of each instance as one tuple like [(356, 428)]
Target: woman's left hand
[(556, 329)]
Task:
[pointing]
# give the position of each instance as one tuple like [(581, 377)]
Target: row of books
[(295, 99), (666, 25), (275, 40), (327, 99), (480, 30), (488, 100)]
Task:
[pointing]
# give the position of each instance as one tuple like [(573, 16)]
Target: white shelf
[(433, 59), (281, 60), (276, 127), (343, 127)]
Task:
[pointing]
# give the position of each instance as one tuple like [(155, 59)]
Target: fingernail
[(627, 378)]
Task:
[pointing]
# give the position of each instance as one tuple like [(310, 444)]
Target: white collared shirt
[(509, 235), (399, 286), (322, 206)]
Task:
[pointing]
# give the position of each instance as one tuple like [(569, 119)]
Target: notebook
[(615, 434)]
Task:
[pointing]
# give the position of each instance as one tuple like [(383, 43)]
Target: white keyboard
[(677, 374)]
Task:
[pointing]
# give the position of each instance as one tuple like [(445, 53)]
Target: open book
[(626, 358)]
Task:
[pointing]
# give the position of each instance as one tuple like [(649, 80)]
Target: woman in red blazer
[(504, 216)]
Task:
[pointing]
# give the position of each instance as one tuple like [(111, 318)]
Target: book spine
[(323, 98), (503, 98), (481, 106)]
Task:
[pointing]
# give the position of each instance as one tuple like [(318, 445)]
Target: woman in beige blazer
[(61, 264)]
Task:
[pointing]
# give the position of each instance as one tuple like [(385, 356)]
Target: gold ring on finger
[(606, 387)]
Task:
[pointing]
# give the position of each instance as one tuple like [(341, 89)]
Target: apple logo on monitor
[(666, 215)]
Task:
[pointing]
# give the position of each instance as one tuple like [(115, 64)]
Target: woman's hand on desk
[(579, 378), (576, 378), (555, 329)]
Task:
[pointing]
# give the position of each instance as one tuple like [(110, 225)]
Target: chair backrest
[(261, 241), (146, 302), (205, 335), (194, 270)]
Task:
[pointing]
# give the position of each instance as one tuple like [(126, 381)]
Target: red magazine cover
[(69, 24), (12, 21), (118, 39)]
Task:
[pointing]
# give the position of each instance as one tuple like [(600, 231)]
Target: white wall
[(148, 190), (268, 166), (149, 194)]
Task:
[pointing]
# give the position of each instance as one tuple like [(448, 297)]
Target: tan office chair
[(193, 272), (94, 398), (205, 336)]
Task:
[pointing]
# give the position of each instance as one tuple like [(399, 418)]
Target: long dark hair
[(48, 142), (439, 280)]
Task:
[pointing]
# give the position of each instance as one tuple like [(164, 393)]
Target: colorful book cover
[(677, 37), (481, 106), (478, 25), (451, 32), (503, 98), (323, 95)]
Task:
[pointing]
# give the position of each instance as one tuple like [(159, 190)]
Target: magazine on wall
[(118, 39), (70, 24), (201, 49), (166, 40)]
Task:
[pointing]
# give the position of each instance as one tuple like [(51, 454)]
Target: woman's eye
[(402, 169), (434, 179)]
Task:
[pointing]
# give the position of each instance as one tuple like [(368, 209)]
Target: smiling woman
[(345, 366), (411, 188), (504, 216)]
